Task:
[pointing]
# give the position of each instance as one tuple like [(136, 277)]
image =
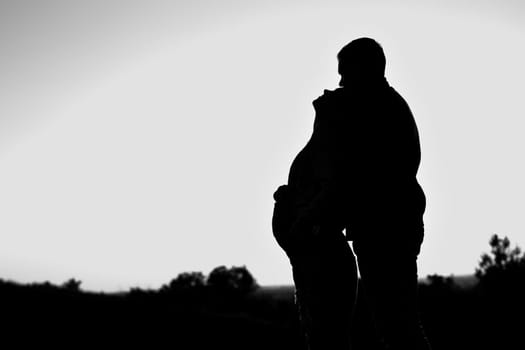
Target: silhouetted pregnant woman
[(308, 225)]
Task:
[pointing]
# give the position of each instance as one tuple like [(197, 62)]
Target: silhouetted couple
[(356, 173)]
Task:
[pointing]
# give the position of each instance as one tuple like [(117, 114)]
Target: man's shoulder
[(396, 96)]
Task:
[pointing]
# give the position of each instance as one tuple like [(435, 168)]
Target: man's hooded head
[(361, 62)]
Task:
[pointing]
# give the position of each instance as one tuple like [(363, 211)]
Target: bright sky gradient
[(141, 139)]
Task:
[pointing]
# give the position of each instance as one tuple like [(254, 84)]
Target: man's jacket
[(370, 139)]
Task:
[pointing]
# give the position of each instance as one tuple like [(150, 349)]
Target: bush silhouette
[(72, 285)]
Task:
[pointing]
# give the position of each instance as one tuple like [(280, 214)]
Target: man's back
[(372, 139), (384, 156)]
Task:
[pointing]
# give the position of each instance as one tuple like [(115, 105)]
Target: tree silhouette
[(236, 278), (187, 280), (501, 272), (502, 260)]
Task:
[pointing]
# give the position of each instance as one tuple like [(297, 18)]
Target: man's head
[(361, 61)]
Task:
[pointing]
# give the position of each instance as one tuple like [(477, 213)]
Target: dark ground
[(227, 310), (265, 318)]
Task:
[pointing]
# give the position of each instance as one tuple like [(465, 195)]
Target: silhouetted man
[(377, 157)]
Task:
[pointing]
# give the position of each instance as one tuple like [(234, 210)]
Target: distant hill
[(286, 292), (466, 281), (462, 281)]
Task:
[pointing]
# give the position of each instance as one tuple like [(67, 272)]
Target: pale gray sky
[(141, 139)]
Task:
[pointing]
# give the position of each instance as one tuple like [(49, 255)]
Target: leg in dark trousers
[(388, 269), (325, 277)]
